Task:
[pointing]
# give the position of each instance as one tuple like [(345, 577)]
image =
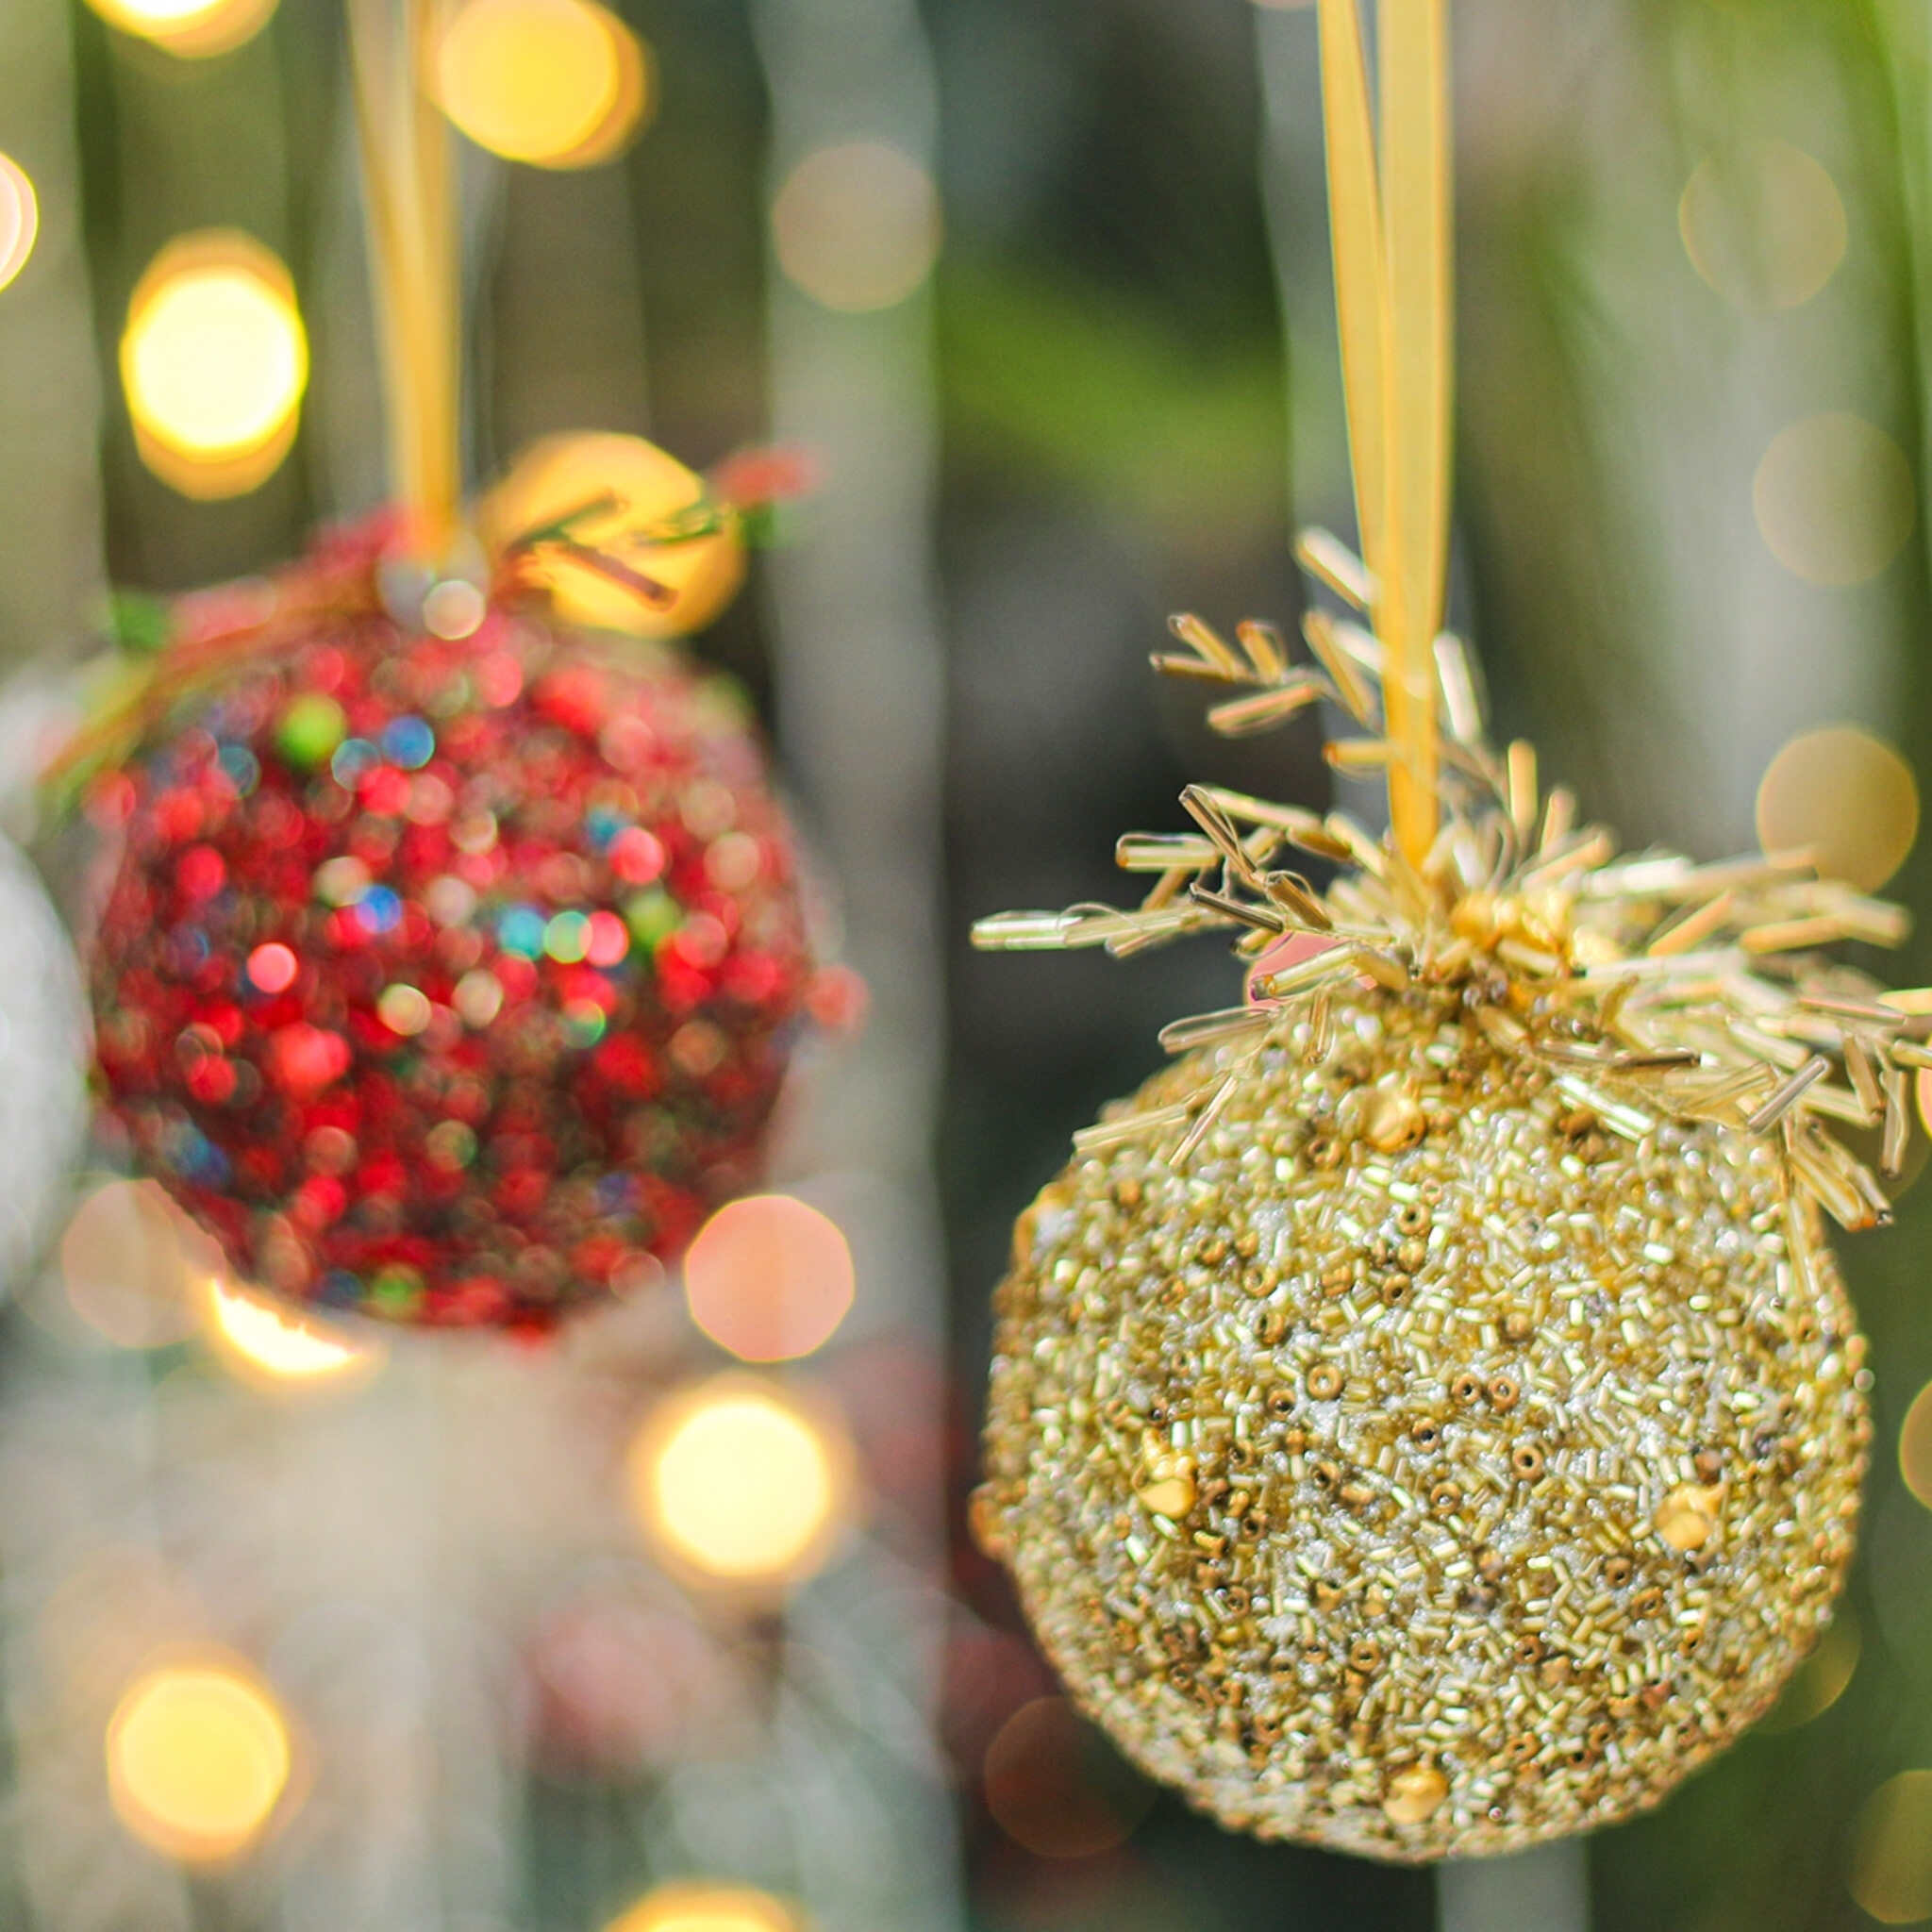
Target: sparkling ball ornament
[(1426, 1419), (44, 1056), (450, 968)]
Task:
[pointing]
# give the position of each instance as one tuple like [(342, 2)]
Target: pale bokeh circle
[(1765, 226), (769, 1278), (1038, 1781), (858, 226), (123, 1267), (1891, 1850), (1846, 796), (1835, 499)]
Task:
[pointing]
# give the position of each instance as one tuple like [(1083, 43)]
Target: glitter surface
[(376, 1000), (1415, 1467)]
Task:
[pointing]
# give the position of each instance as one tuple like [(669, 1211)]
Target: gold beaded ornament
[(1426, 1419)]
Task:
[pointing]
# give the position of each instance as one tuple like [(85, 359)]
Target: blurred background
[(306, 1628)]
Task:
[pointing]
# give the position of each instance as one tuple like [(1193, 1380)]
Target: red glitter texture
[(547, 947)]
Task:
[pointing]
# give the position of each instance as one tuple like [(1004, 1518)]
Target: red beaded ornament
[(447, 980)]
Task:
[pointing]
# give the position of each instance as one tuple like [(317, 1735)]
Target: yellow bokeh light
[(556, 83), (769, 1278), (857, 226), (214, 361), (646, 492), (1845, 796), (192, 29), (739, 1483), (1834, 499), (267, 1343), (695, 1906), (123, 1268), (1915, 1444), (1765, 226), (1891, 1850), (20, 219), (198, 1757)]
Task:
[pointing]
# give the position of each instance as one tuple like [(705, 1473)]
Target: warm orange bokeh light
[(214, 361), (1845, 795), (857, 226), (123, 1268), (739, 1483), (198, 1757), (268, 1342), (645, 492), (20, 219), (194, 29), (698, 1906), (769, 1278), (555, 83)]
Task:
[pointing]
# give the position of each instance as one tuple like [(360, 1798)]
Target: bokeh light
[(556, 83), (194, 29), (20, 219), (123, 1268), (769, 1278), (1765, 226), (1821, 1679), (696, 1907), (857, 226), (269, 1343), (738, 1482), (1915, 1446), (1846, 796), (198, 1757), (214, 361), (1054, 1786), (642, 492), (1835, 499), (1891, 1850)]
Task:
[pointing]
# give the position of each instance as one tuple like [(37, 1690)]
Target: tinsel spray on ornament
[(1426, 1419), (454, 949)]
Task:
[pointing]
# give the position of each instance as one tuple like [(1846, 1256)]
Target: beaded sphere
[(43, 1055), (448, 980), (1419, 1469)]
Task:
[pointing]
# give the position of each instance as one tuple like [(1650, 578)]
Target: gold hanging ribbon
[(1391, 223), (409, 209)]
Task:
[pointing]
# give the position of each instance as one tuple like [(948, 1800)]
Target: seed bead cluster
[(1419, 1466), (447, 979)]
